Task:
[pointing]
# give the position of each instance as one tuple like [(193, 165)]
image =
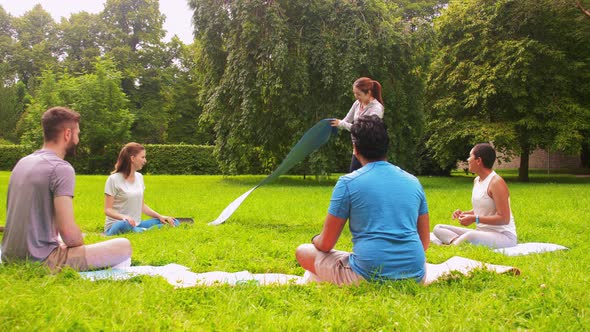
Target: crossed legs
[(456, 235), (327, 266)]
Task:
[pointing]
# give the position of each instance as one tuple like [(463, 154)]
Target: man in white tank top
[(491, 213)]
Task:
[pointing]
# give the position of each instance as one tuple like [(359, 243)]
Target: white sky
[(178, 15)]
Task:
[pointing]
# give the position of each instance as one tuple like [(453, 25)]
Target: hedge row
[(180, 159), (10, 154), (162, 159)]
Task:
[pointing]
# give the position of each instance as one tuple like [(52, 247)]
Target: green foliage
[(13, 98), (180, 159), (80, 41), (105, 119), (10, 154), (275, 68), (162, 159), (511, 72), (36, 44), (550, 294), (182, 97), (134, 40)]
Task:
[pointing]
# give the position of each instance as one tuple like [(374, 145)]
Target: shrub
[(162, 159), (10, 154), (180, 159)]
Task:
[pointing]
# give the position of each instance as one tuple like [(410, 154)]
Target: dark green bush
[(162, 159), (180, 159), (10, 154)]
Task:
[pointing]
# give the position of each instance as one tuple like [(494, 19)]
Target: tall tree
[(515, 73), (12, 102), (182, 96), (99, 99), (277, 67), (36, 44), (6, 46), (80, 41), (134, 40)]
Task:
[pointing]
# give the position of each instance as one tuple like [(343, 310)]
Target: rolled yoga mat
[(315, 137)]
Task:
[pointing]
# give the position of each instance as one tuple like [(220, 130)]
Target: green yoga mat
[(315, 137)]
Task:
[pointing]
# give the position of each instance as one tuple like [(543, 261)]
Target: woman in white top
[(491, 213), (123, 202), (368, 102)]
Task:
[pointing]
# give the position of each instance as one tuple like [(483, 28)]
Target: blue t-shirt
[(383, 203)]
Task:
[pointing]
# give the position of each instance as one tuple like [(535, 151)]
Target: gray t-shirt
[(35, 181)]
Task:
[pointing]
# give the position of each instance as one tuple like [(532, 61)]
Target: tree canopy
[(514, 73), (260, 73), (274, 68)]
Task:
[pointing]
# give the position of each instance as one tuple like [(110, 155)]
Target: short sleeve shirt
[(382, 203), (128, 197), (31, 232)]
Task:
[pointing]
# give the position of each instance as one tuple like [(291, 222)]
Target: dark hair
[(123, 164), (366, 84), (369, 135), (486, 152), (55, 119)]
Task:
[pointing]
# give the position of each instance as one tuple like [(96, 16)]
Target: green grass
[(551, 293)]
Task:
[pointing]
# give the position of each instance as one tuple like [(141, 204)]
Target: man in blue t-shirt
[(388, 216)]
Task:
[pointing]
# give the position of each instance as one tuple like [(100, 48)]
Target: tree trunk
[(584, 10), (523, 170), (585, 155)]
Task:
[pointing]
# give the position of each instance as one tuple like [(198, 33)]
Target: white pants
[(493, 239)]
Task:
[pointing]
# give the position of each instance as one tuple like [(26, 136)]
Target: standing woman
[(491, 213), (368, 102), (123, 202)]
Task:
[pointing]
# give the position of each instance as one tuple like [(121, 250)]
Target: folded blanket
[(530, 248), (519, 249), (435, 272)]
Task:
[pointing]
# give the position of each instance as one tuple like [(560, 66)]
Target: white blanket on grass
[(519, 249), (180, 277)]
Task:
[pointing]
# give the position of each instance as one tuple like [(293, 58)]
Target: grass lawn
[(552, 293)]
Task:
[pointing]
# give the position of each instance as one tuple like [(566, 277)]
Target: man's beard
[(71, 150)]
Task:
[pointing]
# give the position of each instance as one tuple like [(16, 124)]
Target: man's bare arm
[(64, 220)]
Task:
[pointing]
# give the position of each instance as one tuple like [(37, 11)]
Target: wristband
[(476, 219)]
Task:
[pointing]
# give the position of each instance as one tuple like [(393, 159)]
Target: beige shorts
[(74, 257), (333, 267)]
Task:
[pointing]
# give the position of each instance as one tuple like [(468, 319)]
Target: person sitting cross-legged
[(491, 213), (40, 223), (388, 218), (123, 200)]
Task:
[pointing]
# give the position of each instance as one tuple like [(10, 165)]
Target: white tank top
[(484, 205)]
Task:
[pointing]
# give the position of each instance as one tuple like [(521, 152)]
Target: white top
[(484, 205), (373, 107), (128, 196)]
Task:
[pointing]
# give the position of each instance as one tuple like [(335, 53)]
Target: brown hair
[(55, 119), (123, 164), (366, 84)]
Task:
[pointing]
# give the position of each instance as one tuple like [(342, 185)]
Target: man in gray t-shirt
[(40, 222), (35, 181)]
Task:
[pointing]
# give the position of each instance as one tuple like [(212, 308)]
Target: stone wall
[(545, 160), (539, 159)]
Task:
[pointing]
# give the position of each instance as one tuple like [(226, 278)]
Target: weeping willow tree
[(274, 68)]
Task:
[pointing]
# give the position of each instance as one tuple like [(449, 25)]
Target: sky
[(178, 15)]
